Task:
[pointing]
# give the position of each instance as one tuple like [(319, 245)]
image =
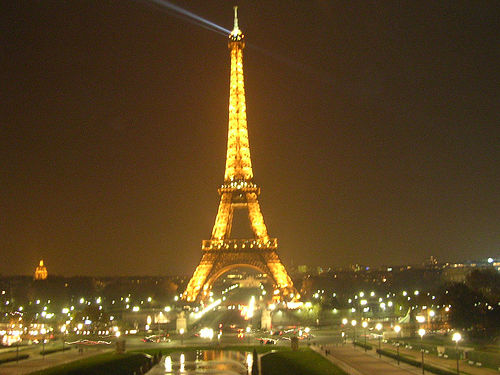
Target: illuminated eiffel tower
[(222, 253)]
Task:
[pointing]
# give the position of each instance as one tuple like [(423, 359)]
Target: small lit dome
[(41, 271)]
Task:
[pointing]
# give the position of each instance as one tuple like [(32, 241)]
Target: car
[(267, 341), (150, 339), (156, 338)]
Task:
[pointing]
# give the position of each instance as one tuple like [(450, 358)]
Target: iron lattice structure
[(222, 253)]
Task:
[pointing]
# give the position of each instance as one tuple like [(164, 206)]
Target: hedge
[(452, 353), (430, 368), (13, 359), (362, 345), (56, 350), (429, 348), (487, 359)]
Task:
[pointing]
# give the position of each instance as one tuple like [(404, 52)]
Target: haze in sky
[(374, 132)]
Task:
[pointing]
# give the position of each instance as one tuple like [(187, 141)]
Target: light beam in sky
[(189, 16)]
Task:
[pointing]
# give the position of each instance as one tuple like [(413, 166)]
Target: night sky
[(374, 131)]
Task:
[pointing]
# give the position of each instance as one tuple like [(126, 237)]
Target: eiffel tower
[(222, 253)]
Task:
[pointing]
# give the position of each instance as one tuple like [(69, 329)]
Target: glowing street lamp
[(353, 323), (364, 324), (397, 329), (421, 333), (63, 331), (344, 336), (378, 327), (43, 331), (457, 337)]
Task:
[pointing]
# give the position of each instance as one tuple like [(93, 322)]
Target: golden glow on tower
[(238, 163), (41, 271), (238, 191)]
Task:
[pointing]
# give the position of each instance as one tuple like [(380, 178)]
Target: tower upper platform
[(236, 35)]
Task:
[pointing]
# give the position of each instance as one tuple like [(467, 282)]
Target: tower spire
[(236, 35), (238, 162), (235, 18)]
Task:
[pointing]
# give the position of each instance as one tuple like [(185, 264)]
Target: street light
[(457, 337), (353, 323), (397, 329), (43, 331), (421, 332), (17, 349), (378, 327), (344, 336), (63, 331), (364, 324)]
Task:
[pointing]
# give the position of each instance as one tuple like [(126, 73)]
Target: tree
[(464, 312), (255, 363)]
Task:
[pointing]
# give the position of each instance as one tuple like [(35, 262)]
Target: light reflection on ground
[(205, 362)]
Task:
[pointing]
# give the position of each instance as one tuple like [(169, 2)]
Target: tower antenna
[(236, 28)]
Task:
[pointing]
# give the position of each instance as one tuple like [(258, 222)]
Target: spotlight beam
[(188, 16)]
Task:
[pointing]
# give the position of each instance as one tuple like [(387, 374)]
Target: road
[(355, 360)]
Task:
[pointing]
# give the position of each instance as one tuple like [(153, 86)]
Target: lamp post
[(43, 331), (457, 337), (378, 327), (63, 331), (421, 332), (364, 324), (397, 329), (353, 323), (344, 335)]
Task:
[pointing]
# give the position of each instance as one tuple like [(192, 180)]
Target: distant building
[(455, 274), (249, 282), (431, 262), (302, 268), (41, 271), (458, 272)]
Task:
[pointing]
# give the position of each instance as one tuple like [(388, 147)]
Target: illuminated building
[(41, 271), (222, 253)]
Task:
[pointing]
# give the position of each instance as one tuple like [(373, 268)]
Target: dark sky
[(374, 131)]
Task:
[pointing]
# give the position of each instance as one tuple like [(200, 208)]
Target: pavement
[(355, 361), (450, 364), (37, 362)]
